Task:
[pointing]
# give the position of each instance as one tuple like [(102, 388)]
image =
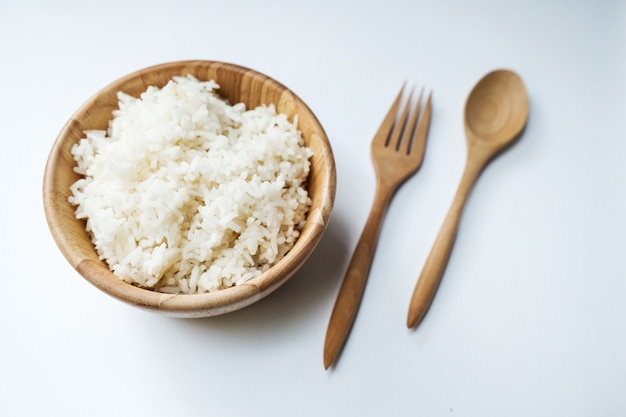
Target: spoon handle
[(437, 260), (353, 285)]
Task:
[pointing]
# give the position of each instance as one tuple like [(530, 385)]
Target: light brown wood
[(393, 166), (495, 114), (237, 84)]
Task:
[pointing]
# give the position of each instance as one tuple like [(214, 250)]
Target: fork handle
[(353, 285), (433, 270)]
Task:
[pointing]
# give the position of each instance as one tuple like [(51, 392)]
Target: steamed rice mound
[(185, 193)]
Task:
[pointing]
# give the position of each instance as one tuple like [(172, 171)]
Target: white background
[(530, 317)]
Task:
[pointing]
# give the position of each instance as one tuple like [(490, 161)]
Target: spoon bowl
[(496, 112), (496, 109)]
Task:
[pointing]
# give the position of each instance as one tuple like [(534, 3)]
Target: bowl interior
[(237, 84)]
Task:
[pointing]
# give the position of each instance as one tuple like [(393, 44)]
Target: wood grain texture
[(237, 84), (495, 114)]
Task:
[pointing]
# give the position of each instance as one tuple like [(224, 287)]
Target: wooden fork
[(397, 152)]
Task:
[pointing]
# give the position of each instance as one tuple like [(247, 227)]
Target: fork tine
[(406, 142), (382, 136), (400, 127), (419, 140)]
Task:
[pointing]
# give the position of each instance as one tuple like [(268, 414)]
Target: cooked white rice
[(185, 193)]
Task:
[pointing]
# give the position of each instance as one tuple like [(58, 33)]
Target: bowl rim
[(190, 305)]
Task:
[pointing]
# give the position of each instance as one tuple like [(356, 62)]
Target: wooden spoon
[(495, 114)]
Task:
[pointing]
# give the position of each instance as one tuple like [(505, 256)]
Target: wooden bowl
[(237, 84)]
